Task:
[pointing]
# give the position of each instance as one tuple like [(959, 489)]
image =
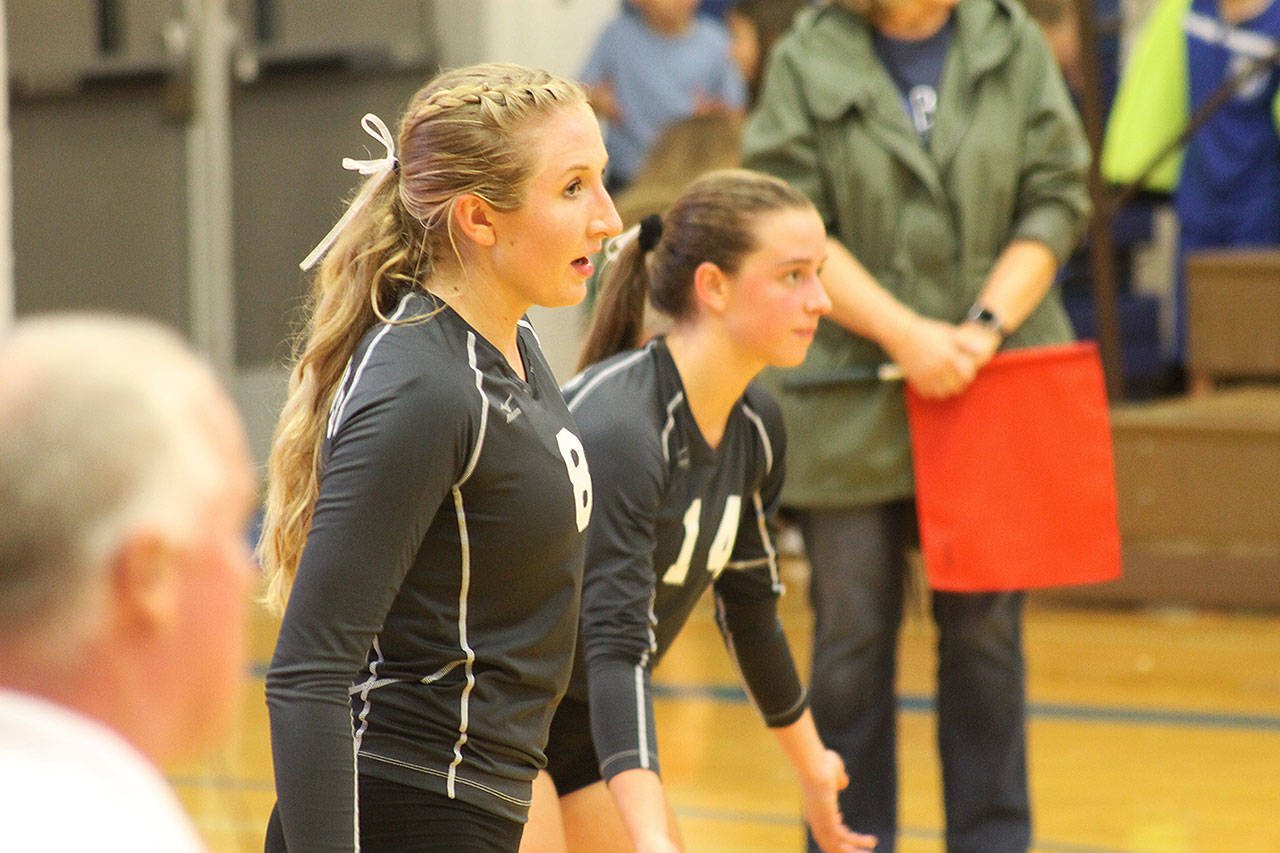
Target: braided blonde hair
[(462, 133)]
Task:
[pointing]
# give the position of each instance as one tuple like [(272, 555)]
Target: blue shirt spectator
[(654, 65)]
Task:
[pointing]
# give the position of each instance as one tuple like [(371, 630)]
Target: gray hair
[(103, 432)]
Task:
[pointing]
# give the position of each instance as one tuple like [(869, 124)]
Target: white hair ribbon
[(622, 241), (378, 168)]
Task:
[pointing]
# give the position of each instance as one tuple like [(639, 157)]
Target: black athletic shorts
[(571, 754), (396, 818)]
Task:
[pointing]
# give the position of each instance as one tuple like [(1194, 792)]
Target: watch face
[(986, 318)]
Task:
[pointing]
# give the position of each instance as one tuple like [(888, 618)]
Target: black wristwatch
[(982, 316)]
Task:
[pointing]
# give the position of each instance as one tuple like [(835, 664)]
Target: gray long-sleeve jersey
[(429, 632), (672, 516)]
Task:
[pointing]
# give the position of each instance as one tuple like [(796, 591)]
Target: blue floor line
[(917, 833), (223, 783), (920, 703)]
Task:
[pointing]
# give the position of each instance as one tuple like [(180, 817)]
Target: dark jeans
[(858, 564)]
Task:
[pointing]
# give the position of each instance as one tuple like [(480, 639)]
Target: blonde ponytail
[(462, 133)]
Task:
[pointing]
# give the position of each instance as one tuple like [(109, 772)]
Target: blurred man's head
[(670, 17), (124, 568)]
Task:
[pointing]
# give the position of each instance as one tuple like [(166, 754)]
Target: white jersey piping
[(642, 722), (464, 588), (771, 553), (601, 376), (672, 405), (339, 408), (764, 436)]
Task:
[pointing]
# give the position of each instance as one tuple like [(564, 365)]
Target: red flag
[(1015, 478)]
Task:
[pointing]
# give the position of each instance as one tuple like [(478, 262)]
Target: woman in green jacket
[(938, 141)]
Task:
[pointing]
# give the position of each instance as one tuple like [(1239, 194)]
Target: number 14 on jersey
[(721, 546)]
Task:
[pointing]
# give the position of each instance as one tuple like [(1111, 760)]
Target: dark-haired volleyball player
[(687, 462)]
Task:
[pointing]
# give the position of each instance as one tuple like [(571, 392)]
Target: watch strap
[(981, 315)]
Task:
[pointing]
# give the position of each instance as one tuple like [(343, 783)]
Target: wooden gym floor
[(1151, 730)]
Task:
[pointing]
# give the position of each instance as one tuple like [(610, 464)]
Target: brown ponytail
[(619, 318), (710, 223)]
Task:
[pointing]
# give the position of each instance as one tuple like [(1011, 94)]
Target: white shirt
[(68, 783)]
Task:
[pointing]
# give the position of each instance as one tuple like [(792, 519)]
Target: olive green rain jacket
[(1007, 160)]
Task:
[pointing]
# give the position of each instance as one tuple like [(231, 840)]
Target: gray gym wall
[(101, 107)]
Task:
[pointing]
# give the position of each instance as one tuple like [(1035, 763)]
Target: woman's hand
[(979, 342), (822, 810), (604, 102), (934, 358)]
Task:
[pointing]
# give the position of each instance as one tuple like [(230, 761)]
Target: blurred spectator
[(1060, 25), (683, 151), (754, 25), (938, 141), (654, 64), (1226, 182), (124, 577)]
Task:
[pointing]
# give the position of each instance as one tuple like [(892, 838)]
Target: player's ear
[(144, 581), (474, 217), (711, 286)]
